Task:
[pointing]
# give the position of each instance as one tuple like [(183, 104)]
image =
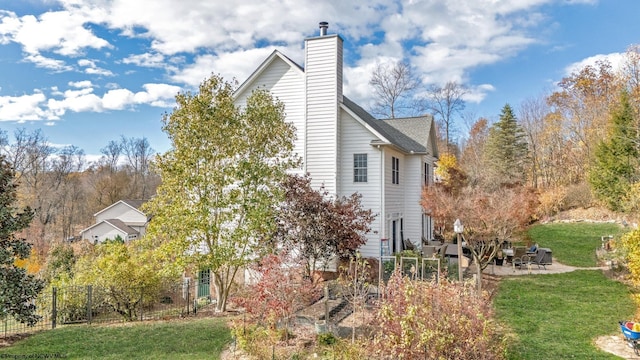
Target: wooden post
[(54, 309), (459, 258)]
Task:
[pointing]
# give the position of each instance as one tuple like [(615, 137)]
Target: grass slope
[(558, 316), (573, 243), (188, 339)]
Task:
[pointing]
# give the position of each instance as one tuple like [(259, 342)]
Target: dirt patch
[(11, 339), (592, 214), (617, 345)]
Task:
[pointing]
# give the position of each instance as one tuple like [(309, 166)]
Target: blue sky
[(89, 71)]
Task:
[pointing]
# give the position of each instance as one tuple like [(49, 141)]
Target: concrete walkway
[(556, 268)]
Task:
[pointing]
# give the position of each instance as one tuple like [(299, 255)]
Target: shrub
[(552, 201), (578, 196), (327, 339), (425, 320)]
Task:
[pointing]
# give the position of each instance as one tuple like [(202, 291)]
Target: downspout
[(383, 213)]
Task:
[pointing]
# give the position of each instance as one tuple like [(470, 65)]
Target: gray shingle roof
[(134, 203), (122, 226), (410, 134)]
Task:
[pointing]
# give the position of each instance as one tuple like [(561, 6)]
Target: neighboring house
[(123, 219), (346, 149)]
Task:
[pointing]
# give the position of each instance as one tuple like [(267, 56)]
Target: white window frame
[(360, 173)]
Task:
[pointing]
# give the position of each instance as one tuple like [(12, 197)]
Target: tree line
[(577, 145), (64, 190)]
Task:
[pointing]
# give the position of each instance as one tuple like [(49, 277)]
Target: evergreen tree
[(616, 158), (506, 149), (17, 288)]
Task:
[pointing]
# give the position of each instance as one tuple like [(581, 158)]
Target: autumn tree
[(506, 149), (355, 286), (220, 180), (123, 172), (49, 184), (490, 217), (278, 290), (393, 85), (138, 155), (18, 289), (532, 114), (582, 105), (472, 156), (319, 227), (616, 158), (445, 102)]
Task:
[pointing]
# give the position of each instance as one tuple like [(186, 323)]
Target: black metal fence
[(97, 304)]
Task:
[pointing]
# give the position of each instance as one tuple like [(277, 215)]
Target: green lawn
[(558, 316), (183, 339), (573, 243)]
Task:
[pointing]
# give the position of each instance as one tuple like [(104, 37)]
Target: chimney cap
[(323, 28)]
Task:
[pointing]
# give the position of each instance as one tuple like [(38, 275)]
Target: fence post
[(54, 309), (141, 303), (188, 295), (89, 297)]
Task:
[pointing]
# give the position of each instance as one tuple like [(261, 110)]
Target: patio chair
[(408, 245), (442, 250), (428, 251), (540, 259)]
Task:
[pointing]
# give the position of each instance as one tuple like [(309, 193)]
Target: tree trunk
[(221, 293), (479, 270)]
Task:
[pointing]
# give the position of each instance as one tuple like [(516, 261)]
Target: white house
[(123, 219), (347, 149)]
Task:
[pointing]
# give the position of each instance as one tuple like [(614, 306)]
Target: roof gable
[(133, 204), (114, 223), (412, 135), (275, 55)]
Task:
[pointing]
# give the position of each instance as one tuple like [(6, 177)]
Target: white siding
[(393, 196), (323, 70), (102, 232), (123, 212), (356, 139), (286, 83), (412, 193)]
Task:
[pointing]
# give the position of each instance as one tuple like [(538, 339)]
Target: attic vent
[(323, 28)]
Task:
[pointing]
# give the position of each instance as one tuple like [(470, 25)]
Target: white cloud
[(47, 63), (160, 95), (92, 69), (230, 65), (21, 108), (191, 39), (477, 93), (615, 59), (62, 32), (117, 99), (80, 84), (153, 60)]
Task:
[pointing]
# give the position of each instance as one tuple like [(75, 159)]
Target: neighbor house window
[(395, 170), (359, 167)]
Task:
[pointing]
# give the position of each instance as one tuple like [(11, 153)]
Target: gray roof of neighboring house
[(122, 226), (410, 134), (136, 204)]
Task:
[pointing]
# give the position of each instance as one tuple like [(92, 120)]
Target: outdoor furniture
[(542, 258), (408, 245), (442, 250), (428, 251), (509, 254)]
